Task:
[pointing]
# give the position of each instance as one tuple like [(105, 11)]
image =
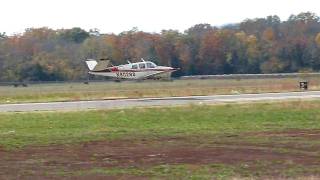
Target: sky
[(115, 16)]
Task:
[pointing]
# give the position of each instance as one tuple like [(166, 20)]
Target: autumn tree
[(261, 45), (317, 39)]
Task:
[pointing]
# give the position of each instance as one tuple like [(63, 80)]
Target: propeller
[(104, 59)]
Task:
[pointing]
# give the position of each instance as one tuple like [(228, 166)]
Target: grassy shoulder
[(109, 90), (256, 170), (239, 141), (39, 128)]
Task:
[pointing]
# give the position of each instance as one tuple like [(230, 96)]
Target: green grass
[(205, 172), (21, 129), (224, 126), (184, 171), (109, 90)]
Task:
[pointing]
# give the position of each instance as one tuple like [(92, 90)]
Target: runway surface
[(147, 102)]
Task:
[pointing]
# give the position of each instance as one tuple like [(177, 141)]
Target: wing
[(157, 74)]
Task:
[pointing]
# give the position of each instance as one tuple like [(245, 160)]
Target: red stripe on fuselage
[(143, 70), (134, 70)]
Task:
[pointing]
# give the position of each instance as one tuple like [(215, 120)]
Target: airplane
[(135, 71)]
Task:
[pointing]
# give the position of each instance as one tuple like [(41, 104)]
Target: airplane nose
[(174, 69)]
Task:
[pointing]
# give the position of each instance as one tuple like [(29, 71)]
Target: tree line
[(261, 45)]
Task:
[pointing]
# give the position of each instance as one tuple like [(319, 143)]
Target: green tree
[(3, 35), (76, 35)]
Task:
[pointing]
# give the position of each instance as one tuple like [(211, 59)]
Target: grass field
[(259, 141), (110, 90)]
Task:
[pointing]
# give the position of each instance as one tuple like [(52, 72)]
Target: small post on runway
[(303, 85)]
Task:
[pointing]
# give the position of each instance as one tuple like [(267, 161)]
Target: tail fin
[(91, 63)]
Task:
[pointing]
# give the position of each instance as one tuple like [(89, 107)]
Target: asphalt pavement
[(148, 102)]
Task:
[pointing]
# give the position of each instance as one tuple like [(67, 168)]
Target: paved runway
[(147, 102)]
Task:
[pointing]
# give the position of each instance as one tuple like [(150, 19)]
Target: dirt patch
[(41, 161), (294, 139)]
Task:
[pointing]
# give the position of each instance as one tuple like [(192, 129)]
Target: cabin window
[(150, 65), (142, 65), (134, 66)]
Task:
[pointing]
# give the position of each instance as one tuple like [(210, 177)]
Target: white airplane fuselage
[(136, 71)]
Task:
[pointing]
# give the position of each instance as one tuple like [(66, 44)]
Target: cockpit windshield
[(150, 65)]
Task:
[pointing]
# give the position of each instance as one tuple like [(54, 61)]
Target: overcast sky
[(148, 15)]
